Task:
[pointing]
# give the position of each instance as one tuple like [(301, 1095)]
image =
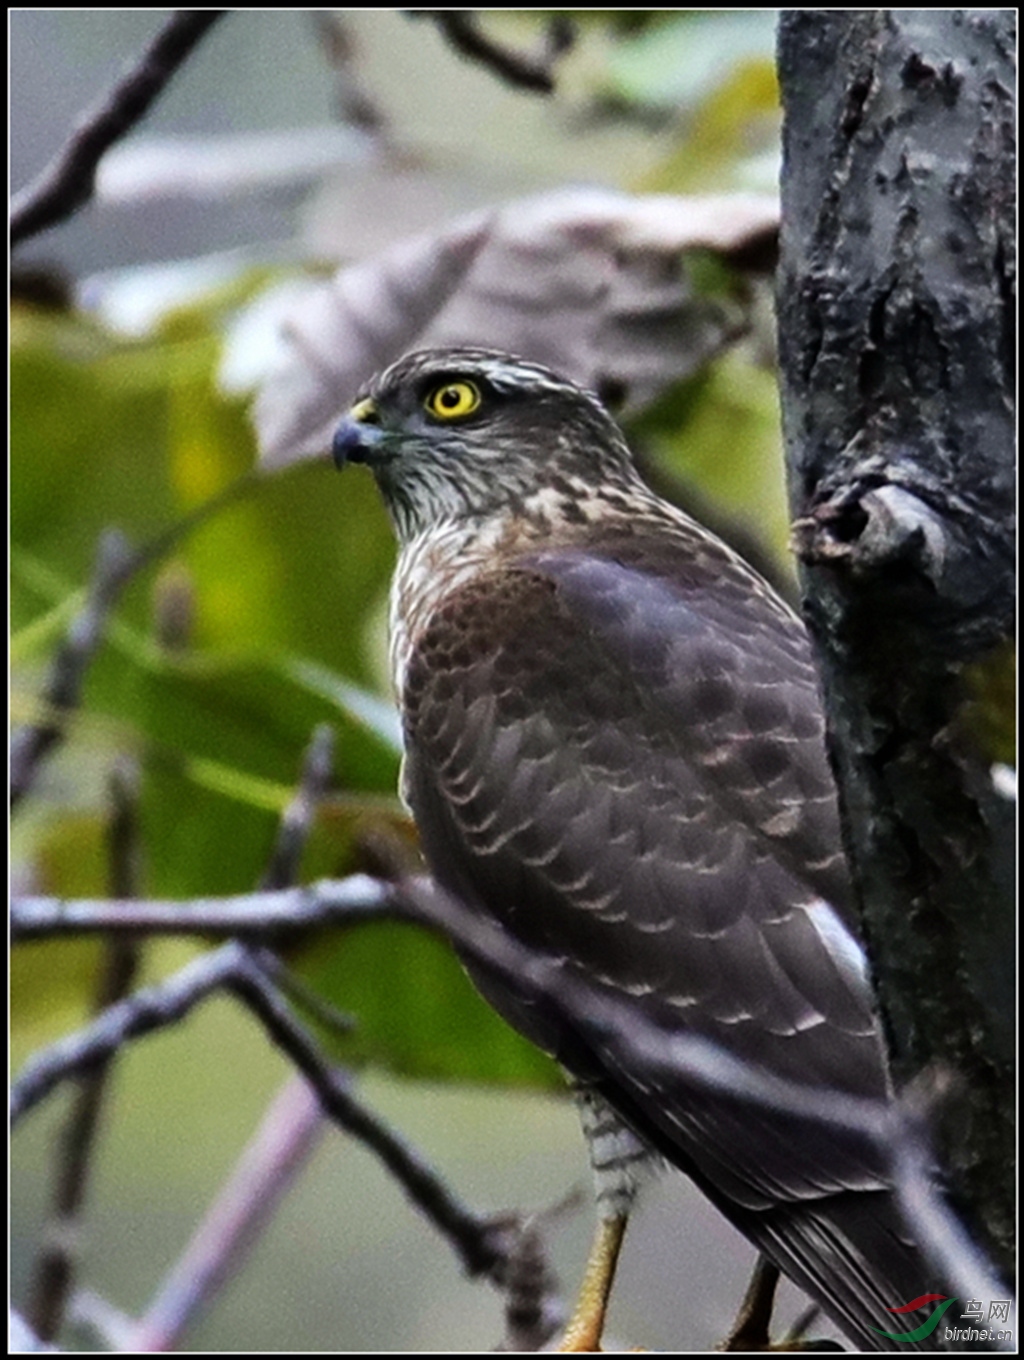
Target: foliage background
[(120, 416)]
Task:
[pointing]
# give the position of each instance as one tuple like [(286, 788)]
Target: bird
[(614, 749)]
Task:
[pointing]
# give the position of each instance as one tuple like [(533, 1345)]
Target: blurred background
[(269, 194)]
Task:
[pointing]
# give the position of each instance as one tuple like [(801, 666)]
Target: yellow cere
[(364, 410), (453, 400)]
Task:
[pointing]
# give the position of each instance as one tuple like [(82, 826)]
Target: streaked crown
[(466, 433)]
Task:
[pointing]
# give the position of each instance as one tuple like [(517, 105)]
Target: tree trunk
[(896, 322)]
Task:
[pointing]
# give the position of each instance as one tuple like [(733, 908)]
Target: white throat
[(436, 562)]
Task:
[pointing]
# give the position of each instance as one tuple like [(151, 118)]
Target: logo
[(930, 1323)]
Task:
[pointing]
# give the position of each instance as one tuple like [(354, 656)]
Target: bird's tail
[(852, 1254)]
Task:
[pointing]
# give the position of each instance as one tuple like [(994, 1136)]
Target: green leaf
[(722, 433), (685, 59), (416, 1012), (377, 715), (219, 698)]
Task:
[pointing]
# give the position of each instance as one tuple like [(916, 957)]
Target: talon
[(750, 1331)]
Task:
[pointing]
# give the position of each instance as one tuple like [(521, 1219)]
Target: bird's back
[(614, 746)]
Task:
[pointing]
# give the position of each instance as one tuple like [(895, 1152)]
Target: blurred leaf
[(249, 650), (212, 166), (738, 122), (416, 1012), (989, 713), (378, 715), (691, 54), (62, 602), (587, 281), (224, 742), (218, 720), (87, 443), (722, 433), (53, 982)]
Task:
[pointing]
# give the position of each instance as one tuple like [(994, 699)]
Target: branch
[(500, 1247), (68, 181), (257, 915), (897, 1131), (115, 563), (611, 1024), (462, 31), (288, 1133), (928, 1213), (534, 1308), (58, 1258), (610, 1020), (298, 817), (482, 1245), (142, 1013), (22, 1339)]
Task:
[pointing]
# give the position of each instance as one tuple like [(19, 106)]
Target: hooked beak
[(357, 435)]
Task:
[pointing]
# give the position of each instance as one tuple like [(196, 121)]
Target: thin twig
[(297, 818), (55, 1267), (288, 1134), (938, 1229), (115, 563), (624, 1038), (354, 101), (481, 1244), (145, 1011), (534, 1307), (68, 181), (257, 915), (162, 543), (525, 71), (304, 997), (289, 1130)]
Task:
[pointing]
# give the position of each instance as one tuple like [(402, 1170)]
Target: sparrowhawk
[(614, 747)]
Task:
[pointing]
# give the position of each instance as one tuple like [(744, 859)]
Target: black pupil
[(450, 397)]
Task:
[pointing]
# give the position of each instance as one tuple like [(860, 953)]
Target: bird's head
[(463, 434)]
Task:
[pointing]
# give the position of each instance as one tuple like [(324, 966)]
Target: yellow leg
[(587, 1325)]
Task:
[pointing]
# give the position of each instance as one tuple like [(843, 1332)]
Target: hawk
[(614, 748)]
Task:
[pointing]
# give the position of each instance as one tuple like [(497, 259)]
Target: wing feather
[(621, 758)]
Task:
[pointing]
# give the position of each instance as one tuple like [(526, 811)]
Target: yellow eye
[(453, 400)]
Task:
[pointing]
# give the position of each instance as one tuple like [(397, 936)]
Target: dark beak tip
[(348, 445)]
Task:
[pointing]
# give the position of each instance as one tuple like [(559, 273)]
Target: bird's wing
[(615, 749)]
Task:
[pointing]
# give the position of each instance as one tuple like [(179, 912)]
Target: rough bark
[(896, 323)]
